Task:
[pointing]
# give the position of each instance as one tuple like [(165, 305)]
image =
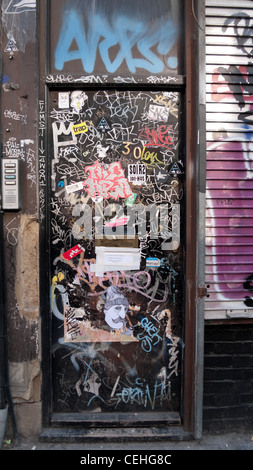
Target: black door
[(116, 212)]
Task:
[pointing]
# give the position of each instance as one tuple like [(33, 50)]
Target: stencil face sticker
[(78, 99)]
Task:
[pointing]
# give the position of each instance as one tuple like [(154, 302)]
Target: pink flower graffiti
[(107, 182)]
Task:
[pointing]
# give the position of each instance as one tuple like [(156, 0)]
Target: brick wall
[(228, 378)]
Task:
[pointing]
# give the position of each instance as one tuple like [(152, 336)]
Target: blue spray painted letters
[(125, 33)]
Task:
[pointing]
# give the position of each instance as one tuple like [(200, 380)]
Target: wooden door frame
[(195, 200)]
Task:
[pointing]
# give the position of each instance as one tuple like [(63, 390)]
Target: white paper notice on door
[(116, 259)]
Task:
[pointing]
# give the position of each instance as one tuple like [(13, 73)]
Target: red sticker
[(76, 250)]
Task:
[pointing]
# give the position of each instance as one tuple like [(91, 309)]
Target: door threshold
[(119, 419), (107, 435)]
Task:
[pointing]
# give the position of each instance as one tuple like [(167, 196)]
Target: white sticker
[(153, 262), (158, 113), (63, 100), (71, 188), (137, 173), (116, 259)]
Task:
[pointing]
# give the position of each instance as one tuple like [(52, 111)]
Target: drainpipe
[(199, 13), (2, 326)]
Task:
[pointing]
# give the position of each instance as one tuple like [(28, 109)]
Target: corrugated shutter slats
[(229, 115)]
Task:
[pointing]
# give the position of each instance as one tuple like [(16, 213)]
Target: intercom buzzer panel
[(11, 184)]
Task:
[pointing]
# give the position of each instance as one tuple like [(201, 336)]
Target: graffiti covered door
[(116, 250)]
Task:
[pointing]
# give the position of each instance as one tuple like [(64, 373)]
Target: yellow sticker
[(79, 128)]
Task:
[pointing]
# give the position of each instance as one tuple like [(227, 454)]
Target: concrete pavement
[(230, 441)]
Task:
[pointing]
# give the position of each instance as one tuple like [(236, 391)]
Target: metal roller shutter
[(229, 114)]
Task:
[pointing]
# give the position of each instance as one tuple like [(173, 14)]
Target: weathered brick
[(228, 374)]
